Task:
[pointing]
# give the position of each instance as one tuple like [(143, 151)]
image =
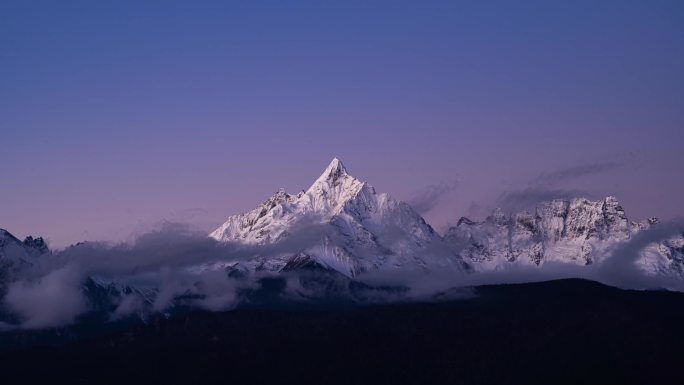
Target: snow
[(341, 223), (368, 231), (364, 230), (575, 231)]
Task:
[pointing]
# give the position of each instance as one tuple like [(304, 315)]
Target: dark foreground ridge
[(560, 332)]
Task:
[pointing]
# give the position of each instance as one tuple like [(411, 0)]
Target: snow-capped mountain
[(356, 229), (330, 234), (662, 258), (560, 230), (577, 231)]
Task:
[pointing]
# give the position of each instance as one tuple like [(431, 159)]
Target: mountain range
[(355, 229), (341, 226), (368, 231)]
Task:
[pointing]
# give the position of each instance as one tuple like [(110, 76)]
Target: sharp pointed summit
[(335, 169), (362, 230), (334, 188), (359, 230), (333, 173)]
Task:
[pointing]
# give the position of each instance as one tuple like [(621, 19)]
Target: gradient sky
[(117, 115)]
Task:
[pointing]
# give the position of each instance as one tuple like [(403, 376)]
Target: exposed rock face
[(10, 245), (662, 258), (577, 231), (16, 254), (360, 230), (341, 227), (559, 230)]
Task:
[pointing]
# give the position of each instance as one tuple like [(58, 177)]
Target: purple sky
[(114, 117)]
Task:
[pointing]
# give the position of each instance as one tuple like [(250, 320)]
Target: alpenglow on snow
[(360, 230)]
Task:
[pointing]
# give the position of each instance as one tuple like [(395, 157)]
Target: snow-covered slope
[(355, 229), (331, 233), (664, 257), (559, 230), (577, 231)]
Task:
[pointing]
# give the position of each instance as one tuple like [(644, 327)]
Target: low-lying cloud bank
[(175, 261), (153, 271), (53, 300)]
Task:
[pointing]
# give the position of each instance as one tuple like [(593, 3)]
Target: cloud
[(176, 246), (171, 284), (426, 285), (53, 300), (130, 304), (517, 200), (186, 215), (218, 292), (616, 266), (170, 262), (178, 265), (546, 186), (429, 197), (554, 178), (620, 269)]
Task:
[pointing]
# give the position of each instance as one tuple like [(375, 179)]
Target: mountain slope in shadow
[(563, 332)]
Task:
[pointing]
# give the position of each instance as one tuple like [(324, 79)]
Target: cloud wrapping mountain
[(340, 240)]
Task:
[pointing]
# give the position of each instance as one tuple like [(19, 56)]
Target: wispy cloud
[(551, 185), (173, 260), (620, 269), (427, 198), (517, 200), (554, 178)]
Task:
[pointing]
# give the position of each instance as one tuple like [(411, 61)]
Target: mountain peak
[(334, 175), (36, 243), (357, 229), (334, 171), (334, 188), (4, 234)]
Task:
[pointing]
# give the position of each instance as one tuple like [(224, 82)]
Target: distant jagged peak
[(568, 217), (6, 234), (26, 250), (334, 188), (38, 244), (466, 221), (560, 206)]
